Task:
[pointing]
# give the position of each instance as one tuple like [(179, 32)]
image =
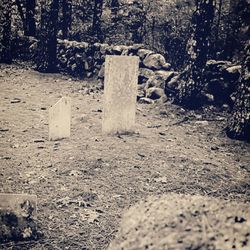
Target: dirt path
[(85, 182)]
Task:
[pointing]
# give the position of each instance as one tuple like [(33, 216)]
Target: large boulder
[(154, 61), (142, 53), (172, 86), (176, 221)]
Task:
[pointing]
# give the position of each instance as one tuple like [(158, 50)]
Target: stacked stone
[(75, 58), (154, 74)]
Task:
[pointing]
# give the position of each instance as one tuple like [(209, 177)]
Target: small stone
[(97, 110), (166, 66), (209, 98), (15, 100), (145, 100), (39, 140), (4, 129), (234, 69), (140, 94), (214, 148), (204, 123), (198, 116), (225, 106), (101, 72), (163, 112), (6, 157)]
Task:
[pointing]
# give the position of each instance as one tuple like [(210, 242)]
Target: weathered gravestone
[(59, 119), (120, 91), (23, 205)]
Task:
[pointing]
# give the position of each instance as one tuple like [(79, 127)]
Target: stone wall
[(157, 80)]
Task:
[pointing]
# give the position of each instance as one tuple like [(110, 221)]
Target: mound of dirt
[(177, 221)]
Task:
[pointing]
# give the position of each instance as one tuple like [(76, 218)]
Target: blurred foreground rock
[(176, 221)]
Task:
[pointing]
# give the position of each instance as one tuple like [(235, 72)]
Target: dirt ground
[(86, 182)]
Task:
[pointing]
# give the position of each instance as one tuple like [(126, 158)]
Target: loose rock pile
[(221, 78), (184, 222)]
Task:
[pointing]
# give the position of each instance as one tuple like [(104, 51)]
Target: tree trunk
[(67, 17), (232, 30), (198, 49), (218, 28), (96, 26), (30, 18), (114, 7), (46, 57), (137, 16), (239, 122), (21, 13), (5, 31)]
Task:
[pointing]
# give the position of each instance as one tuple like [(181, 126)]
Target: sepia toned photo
[(125, 124)]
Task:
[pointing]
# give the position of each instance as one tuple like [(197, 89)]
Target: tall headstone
[(120, 91), (60, 119)]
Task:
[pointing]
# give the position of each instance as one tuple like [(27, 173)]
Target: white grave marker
[(59, 119), (120, 91), (20, 204)]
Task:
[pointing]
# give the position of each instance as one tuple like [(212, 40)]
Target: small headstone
[(120, 91), (22, 205), (60, 119)]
